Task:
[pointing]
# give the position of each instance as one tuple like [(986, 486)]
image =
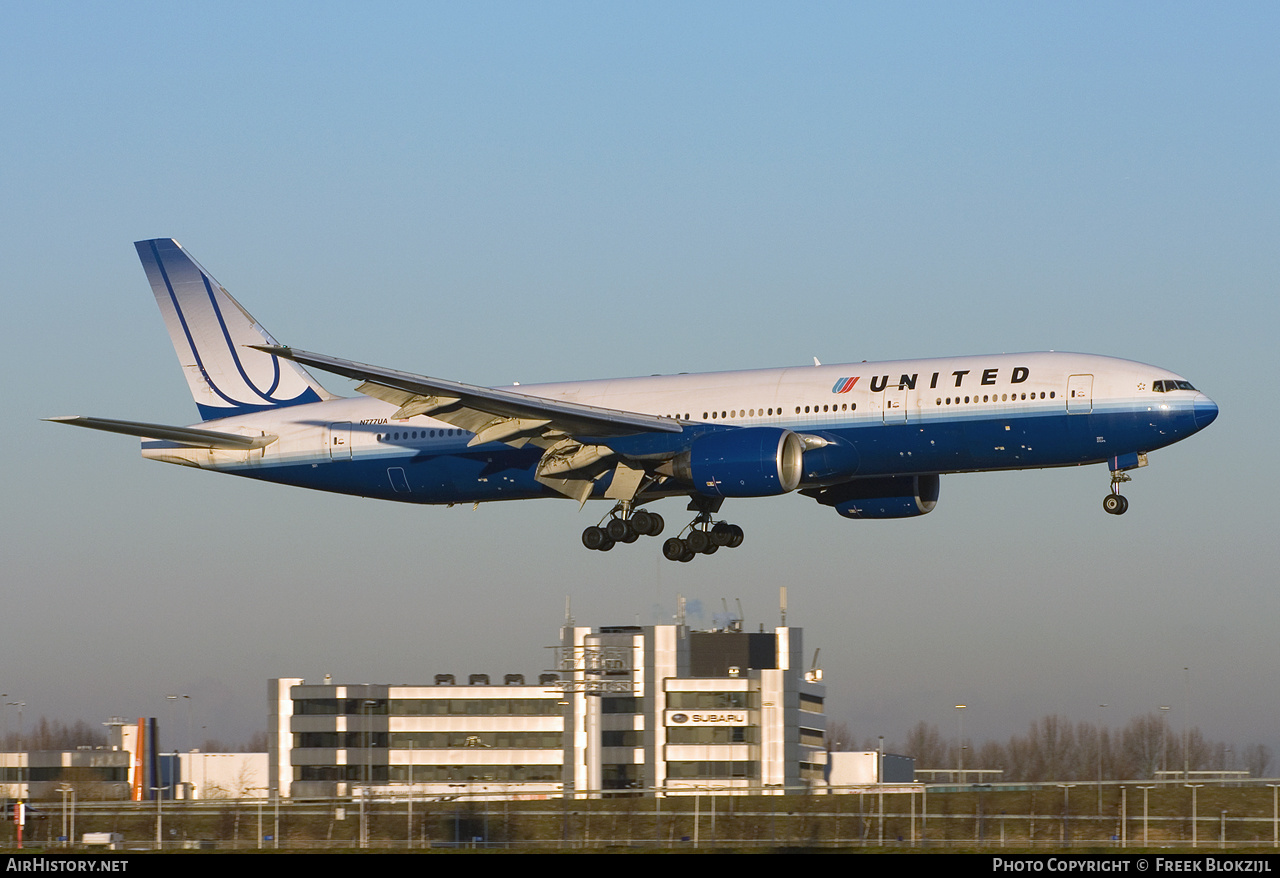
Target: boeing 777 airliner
[(867, 439)]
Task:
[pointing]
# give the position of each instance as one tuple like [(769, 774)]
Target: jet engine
[(883, 497), (745, 462)]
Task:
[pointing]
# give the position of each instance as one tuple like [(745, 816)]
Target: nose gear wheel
[(1115, 503)]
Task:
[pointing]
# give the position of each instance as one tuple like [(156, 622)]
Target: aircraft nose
[(1206, 410)]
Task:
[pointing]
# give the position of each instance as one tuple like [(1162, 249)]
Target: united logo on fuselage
[(908, 382)]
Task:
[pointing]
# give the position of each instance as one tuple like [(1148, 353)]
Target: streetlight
[(1186, 718), (1066, 811), (1101, 707), (159, 817), (1275, 814), (1194, 787), (1164, 739), (1145, 791), (173, 703), (880, 787), (960, 715), (260, 798), (1124, 816), (65, 789), (21, 744)]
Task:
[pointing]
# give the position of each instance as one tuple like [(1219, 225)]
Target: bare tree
[(925, 745), (1257, 759), (46, 734), (1141, 744), (1054, 749), (839, 736)]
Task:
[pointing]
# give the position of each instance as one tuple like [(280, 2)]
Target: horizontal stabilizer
[(191, 436)]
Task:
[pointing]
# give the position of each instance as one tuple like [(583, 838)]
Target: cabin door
[(1080, 394), (894, 405), (340, 441)]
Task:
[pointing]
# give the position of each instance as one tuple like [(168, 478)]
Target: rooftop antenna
[(568, 613), (742, 618), (782, 598), (680, 610)]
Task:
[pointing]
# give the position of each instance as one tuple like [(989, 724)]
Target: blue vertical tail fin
[(211, 333)]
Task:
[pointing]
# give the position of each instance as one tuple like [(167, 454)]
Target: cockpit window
[(1168, 385)]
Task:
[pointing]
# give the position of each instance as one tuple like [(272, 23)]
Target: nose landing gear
[(1115, 503)]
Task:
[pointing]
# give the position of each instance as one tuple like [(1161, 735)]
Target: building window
[(712, 770), (622, 738), (475, 707), (811, 703), (713, 735), (621, 705), (711, 700)]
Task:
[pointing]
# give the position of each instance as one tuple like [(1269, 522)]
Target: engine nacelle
[(746, 462), (831, 463), (883, 497)]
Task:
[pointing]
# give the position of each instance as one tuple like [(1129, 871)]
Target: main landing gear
[(704, 537), (1114, 503), (622, 526)]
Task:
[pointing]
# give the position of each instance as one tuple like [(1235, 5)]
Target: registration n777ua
[(869, 440)]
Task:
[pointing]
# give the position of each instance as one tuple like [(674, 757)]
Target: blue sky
[(538, 192)]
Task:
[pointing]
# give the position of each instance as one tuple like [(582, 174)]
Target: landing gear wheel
[(648, 524), (619, 529), (698, 541), (735, 536), (1115, 504), (594, 538), (674, 549), (643, 523)]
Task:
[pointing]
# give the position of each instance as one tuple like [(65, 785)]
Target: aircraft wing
[(490, 413), (574, 437), (192, 436)]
